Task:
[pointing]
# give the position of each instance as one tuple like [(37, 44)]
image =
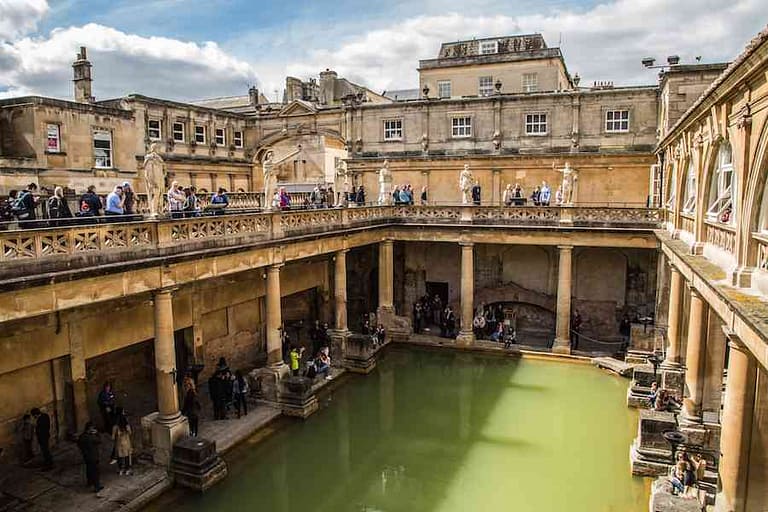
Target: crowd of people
[(432, 311), (228, 392)]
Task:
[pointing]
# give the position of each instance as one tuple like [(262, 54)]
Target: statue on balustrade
[(341, 184), (568, 187), (154, 180), (385, 184), (268, 169), (466, 180)]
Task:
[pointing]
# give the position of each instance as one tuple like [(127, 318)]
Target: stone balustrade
[(722, 237), (181, 234), (762, 251)]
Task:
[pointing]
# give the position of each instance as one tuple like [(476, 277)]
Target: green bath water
[(445, 432)]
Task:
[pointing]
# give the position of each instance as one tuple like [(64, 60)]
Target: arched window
[(721, 187), (689, 206), (672, 188), (762, 225)]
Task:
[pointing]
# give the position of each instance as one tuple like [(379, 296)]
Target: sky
[(192, 49)]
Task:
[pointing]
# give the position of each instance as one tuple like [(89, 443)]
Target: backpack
[(19, 208), (311, 371)]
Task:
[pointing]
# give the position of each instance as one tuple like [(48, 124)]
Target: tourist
[(418, 312), (478, 324), (518, 195), (221, 365), (476, 193), (314, 337), (216, 393), (575, 329), (240, 390), (228, 388), (510, 338), (405, 198), (380, 335), (106, 401), (43, 435), (295, 357), (498, 333), (677, 478), (25, 206), (191, 407), (316, 198), (508, 196), (331, 198), (89, 442), (625, 329), (437, 310), (90, 203), (176, 200), (545, 194), (129, 199), (220, 199), (121, 435), (58, 208), (323, 363), (449, 323), (191, 207), (360, 197), (366, 327), (654, 396), (424, 195), (559, 196), (285, 199), (114, 202), (27, 433), (7, 208), (536, 196)]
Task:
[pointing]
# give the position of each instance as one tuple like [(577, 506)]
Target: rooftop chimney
[(253, 96), (82, 79)]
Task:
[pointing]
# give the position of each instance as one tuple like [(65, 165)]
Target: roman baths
[(503, 290)]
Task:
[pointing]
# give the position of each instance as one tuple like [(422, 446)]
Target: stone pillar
[(386, 275), (673, 331), (496, 187), (274, 318), (340, 290), (694, 358), (562, 344), (78, 373), (466, 335), (714, 363), (737, 428), (169, 425)]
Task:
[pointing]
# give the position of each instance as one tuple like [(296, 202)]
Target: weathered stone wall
[(757, 484)]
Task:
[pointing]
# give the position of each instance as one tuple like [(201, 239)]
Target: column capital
[(565, 247), (467, 244), (341, 251), (693, 290), (168, 290), (275, 267), (387, 241), (735, 342)]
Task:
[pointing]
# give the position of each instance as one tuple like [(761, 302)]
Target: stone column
[(466, 335), (274, 318), (694, 358), (386, 275), (562, 344), (673, 318), (714, 363), (78, 371), (169, 425), (340, 290), (737, 428)]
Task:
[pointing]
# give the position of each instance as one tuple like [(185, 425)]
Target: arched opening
[(689, 191), (722, 187)]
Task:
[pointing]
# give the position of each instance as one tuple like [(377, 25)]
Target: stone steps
[(614, 365)]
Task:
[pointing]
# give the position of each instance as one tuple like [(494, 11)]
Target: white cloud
[(123, 63), (19, 17), (605, 42)]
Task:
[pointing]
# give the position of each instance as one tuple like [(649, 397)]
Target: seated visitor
[(510, 338), (498, 335), (653, 397), (380, 335), (323, 363)]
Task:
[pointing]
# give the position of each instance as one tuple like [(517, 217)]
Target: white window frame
[(461, 126), (180, 132), (689, 206), (393, 129), (530, 82), (156, 132), (534, 121), (672, 190), (488, 47), (614, 124), (237, 138), (105, 159), (485, 86), (52, 132), (441, 85), (220, 136), (721, 186), (200, 133)]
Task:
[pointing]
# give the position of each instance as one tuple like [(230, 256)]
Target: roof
[(402, 94), (240, 104), (754, 44), (67, 104)]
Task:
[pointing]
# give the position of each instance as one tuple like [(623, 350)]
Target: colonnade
[(703, 367)]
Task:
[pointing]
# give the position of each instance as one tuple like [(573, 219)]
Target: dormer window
[(489, 47)]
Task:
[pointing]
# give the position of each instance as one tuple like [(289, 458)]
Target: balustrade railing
[(108, 234), (722, 237), (761, 241), (687, 223)]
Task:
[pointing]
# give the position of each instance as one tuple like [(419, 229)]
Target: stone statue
[(341, 183), (385, 184), (268, 169), (570, 177), (154, 180), (466, 180)]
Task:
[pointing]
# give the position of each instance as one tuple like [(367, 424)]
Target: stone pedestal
[(651, 454), (640, 388), (673, 381), (360, 356), (266, 381), (196, 464), (165, 434), (296, 397), (398, 327), (662, 499)]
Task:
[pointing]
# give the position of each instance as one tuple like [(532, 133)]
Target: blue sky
[(186, 49)]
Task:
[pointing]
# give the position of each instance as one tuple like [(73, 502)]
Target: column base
[(742, 277), (697, 248), (338, 343), (165, 433), (561, 346), (267, 380), (465, 338), (398, 327)]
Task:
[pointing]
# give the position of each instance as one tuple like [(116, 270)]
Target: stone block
[(642, 337), (651, 452), (146, 429), (196, 464), (673, 381), (266, 381), (296, 397), (165, 434), (360, 354), (640, 387), (662, 499)]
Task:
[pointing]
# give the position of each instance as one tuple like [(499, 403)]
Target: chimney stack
[(82, 79), (253, 95)]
